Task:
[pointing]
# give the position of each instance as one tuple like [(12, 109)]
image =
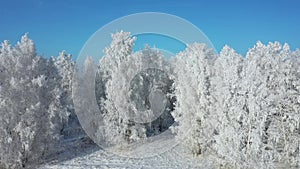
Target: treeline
[(243, 110)]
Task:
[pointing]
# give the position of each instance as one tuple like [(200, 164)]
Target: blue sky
[(67, 24)]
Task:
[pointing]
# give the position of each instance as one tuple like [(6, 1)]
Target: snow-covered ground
[(90, 155)]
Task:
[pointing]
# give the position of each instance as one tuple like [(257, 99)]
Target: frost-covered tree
[(229, 100), (65, 66), (193, 112), (151, 92), (123, 85), (262, 130), (88, 112), (262, 76), (281, 130), (31, 113), (114, 104), (229, 104)]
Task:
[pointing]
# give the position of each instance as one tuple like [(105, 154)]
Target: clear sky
[(55, 25)]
